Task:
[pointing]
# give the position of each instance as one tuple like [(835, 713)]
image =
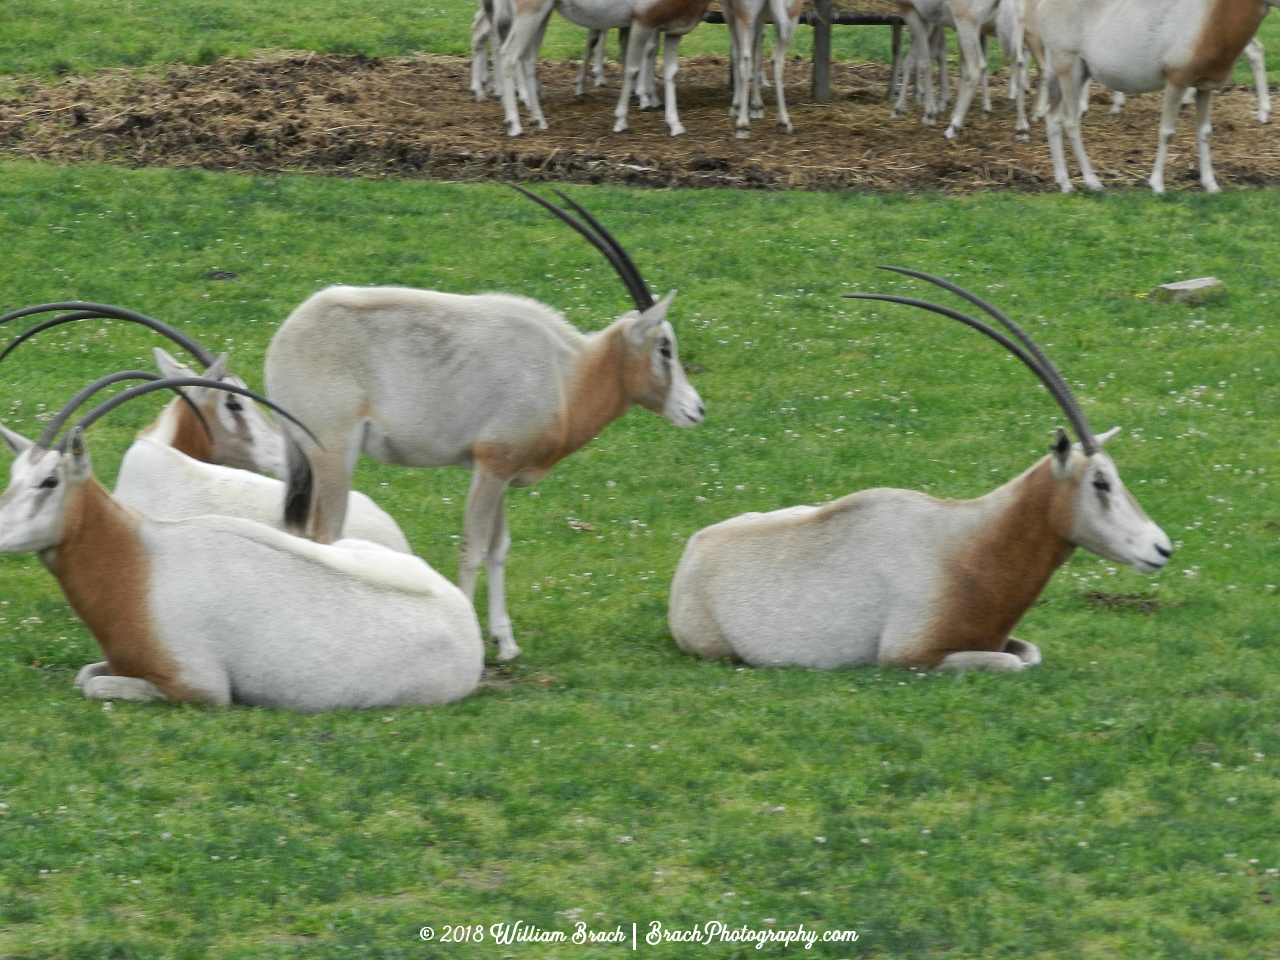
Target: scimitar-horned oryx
[(897, 578), (501, 385), (223, 610), (199, 455), (1138, 46)]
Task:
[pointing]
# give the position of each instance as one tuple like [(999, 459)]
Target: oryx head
[(238, 433), (1104, 517), (655, 378)]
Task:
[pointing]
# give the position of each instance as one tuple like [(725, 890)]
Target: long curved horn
[(75, 403), (168, 383), (1080, 425), (88, 311), (1087, 439), (602, 240)]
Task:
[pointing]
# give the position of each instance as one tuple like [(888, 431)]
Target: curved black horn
[(76, 402), (1064, 390), (88, 311), (1076, 418), (602, 240), (107, 406)]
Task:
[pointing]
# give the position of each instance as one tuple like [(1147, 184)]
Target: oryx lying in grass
[(221, 609), (897, 578), (197, 456), (1253, 53), (1137, 46), (499, 384)]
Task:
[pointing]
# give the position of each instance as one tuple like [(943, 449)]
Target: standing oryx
[(499, 384), (223, 610), (1137, 46), (200, 455), (897, 578)]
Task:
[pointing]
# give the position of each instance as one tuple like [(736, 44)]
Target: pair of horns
[(100, 311), (602, 240), (1035, 358), (156, 382)]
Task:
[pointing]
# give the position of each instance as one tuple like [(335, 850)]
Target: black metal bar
[(839, 19), (822, 51)]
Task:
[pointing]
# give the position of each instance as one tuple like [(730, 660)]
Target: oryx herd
[(1187, 48), (203, 580)]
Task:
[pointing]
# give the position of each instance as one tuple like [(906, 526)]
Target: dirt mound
[(416, 118)]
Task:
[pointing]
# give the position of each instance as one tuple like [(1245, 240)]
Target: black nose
[(1163, 552), (702, 411)]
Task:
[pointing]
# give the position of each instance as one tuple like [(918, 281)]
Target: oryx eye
[(665, 349), (234, 405), (49, 482), (1102, 485)]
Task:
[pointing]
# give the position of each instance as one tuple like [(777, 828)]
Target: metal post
[(822, 52)]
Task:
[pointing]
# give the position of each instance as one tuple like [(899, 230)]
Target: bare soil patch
[(416, 118)]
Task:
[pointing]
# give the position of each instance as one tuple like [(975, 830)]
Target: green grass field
[(1118, 801)]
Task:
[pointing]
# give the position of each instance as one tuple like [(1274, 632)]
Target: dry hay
[(415, 118)]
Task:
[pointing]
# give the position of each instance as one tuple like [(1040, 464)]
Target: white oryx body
[(498, 384), (223, 610), (1139, 46), (896, 578), (645, 18)]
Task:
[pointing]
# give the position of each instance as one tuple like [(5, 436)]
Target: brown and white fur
[(895, 578), (221, 609), (1138, 46)]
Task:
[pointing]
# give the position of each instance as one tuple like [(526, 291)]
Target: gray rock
[(1193, 292)]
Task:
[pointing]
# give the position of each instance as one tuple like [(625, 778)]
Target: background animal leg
[(1117, 102), (1254, 53), (496, 565), (972, 67), (484, 507), (512, 55), (595, 41), (938, 50), (122, 688), (480, 47), (1204, 129), (1028, 653), (984, 660), (89, 671), (1070, 108), (597, 62), (741, 31), (919, 59), (986, 75), (1168, 124), (636, 45), (1053, 125), (784, 27), (670, 66), (647, 86)]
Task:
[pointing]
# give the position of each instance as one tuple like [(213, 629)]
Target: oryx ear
[(1104, 437), (218, 369), (81, 468), (650, 319), (15, 441), (169, 365), (1061, 451)]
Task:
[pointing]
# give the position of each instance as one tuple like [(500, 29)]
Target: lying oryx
[(197, 456), (1137, 46), (221, 609), (897, 578), (499, 384)]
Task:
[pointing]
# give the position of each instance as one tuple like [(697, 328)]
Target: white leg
[(1085, 88), (1028, 653), (670, 66), (511, 58), (1168, 124), (1017, 83), (122, 688), (984, 660), (496, 565), (480, 41), (986, 76), (597, 64), (484, 507), (580, 81), (647, 88), (938, 47), (1070, 99), (742, 34), (1254, 53), (784, 27), (1189, 97), (1117, 102), (630, 74), (1204, 129), (972, 66), (918, 64), (758, 81), (88, 672)]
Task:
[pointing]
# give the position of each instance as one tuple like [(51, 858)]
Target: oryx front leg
[(784, 28), (1028, 653), (1204, 129), (1257, 62), (89, 671), (496, 564), (973, 68), (636, 45), (1168, 125), (670, 66), (484, 521), (106, 687), (985, 660), (511, 60)]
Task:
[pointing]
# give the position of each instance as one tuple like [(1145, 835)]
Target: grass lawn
[(1118, 801)]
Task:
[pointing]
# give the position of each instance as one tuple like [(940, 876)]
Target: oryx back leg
[(759, 81), (106, 687), (973, 65), (1168, 125), (985, 660), (1071, 106), (670, 67), (785, 17), (482, 516), (637, 43), (1254, 53), (1204, 129), (741, 17), (496, 565)]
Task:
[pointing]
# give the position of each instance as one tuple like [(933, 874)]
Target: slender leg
[(637, 45), (986, 76), (597, 65), (480, 43), (517, 49), (1168, 124), (496, 564), (1254, 53), (89, 671), (972, 66), (741, 17), (670, 66), (1204, 129), (895, 73), (758, 79), (918, 60), (784, 25), (984, 660), (938, 46), (1071, 104), (122, 688), (1028, 653), (1117, 102), (580, 81), (647, 87)]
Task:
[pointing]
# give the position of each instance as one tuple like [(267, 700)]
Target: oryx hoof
[(1211, 186), (742, 133), (1022, 137), (514, 130), (1066, 186), (1093, 184), (895, 113), (507, 649), (677, 129), (951, 131), (929, 121), (786, 127), (1264, 116), (542, 125), (620, 126)]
